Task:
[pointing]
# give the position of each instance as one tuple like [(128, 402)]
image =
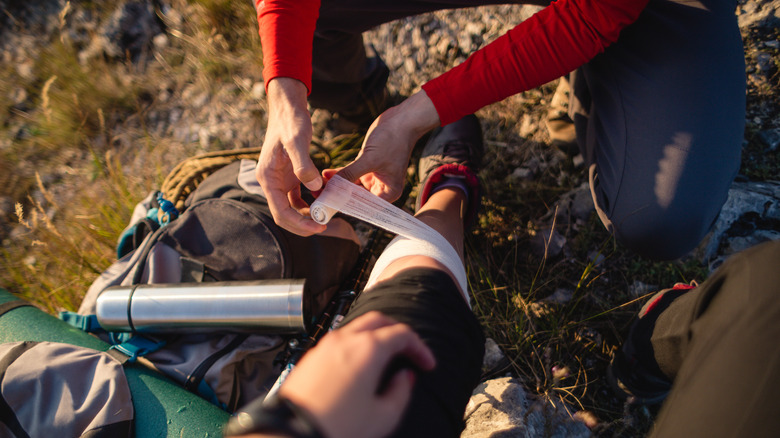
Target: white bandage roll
[(353, 200)]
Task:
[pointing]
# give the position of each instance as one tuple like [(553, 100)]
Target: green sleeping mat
[(162, 408)]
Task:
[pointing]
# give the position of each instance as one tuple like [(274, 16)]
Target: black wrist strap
[(276, 415)]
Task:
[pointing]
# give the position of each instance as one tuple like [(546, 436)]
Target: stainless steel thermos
[(267, 306)]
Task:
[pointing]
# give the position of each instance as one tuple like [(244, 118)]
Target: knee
[(662, 235)]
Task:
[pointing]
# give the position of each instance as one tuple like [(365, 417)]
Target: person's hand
[(338, 380), (382, 162), (284, 160)]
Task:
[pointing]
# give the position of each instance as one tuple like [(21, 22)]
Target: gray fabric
[(119, 273), (162, 266), (64, 390), (250, 363), (247, 178)]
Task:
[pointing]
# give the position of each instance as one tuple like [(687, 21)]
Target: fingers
[(327, 174), (386, 188), (286, 216), (401, 339), (392, 338)]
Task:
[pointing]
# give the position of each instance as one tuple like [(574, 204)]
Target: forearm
[(415, 116), (550, 44), (286, 99)]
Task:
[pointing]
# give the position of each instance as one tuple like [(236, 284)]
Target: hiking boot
[(453, 151), (375, 98), (559, 124), (633, 373), (361, 117)]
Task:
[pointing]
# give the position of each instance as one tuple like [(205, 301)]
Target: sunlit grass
[(56, 261)]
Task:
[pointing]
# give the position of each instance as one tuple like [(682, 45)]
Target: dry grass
[(56, 261)]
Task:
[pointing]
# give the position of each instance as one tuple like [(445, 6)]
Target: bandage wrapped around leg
[(401, 247)]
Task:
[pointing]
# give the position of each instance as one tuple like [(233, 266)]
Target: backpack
[(56, 389), (222, 231)]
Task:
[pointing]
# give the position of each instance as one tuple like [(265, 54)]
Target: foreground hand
[(382, 162), (337, 381), (284, 160)]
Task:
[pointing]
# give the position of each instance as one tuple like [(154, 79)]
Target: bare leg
[(444, 213)]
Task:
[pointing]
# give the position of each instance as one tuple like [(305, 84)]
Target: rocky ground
[(141, 85)]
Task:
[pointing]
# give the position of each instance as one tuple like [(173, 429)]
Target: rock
[(160, 41), (465, 43), (527, 126), (25, 69), (581, 205), (18, 95), (764, 62), (548, 304), (560, 296), (576, 205), (130, 32), (7, 207), (547, 243), (258, 91), (637, 289), (741, 243), (522, 173), (759, 14), (494, 362), (771, 138), (751, 214), (443, 46), (410, 66), (596, 257), (501, 408)]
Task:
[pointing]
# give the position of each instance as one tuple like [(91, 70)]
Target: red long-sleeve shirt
[(550, 44)]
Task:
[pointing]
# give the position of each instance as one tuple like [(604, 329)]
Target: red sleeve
[(286, 34), (550, 44)]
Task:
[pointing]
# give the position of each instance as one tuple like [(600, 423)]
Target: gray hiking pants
[(660, 114)]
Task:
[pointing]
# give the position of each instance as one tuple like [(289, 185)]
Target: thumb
[(304, 169), (354, 170)]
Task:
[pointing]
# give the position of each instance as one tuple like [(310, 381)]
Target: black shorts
[(429, 301)]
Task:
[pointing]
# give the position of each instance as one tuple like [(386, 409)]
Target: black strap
[(192, 271), (276, 415), (197, 375), (11, 305), (7, 415)]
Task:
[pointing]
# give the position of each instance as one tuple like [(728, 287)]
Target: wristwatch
[(275, 415)]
